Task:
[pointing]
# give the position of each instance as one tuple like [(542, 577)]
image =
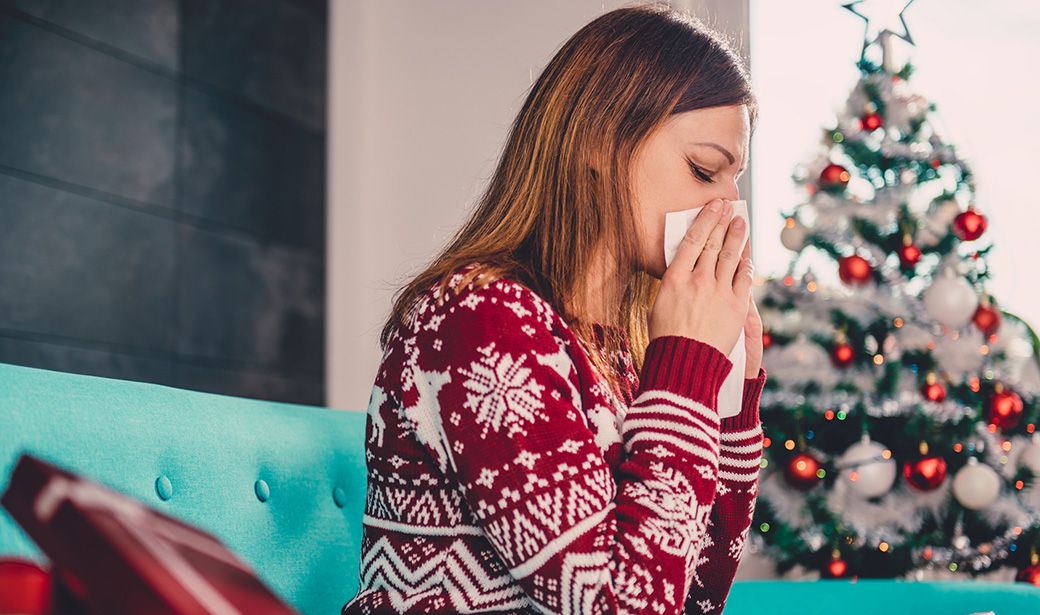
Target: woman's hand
[(752, 340), (706, 291)]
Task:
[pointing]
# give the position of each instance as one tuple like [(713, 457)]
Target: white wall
[(421, 97)]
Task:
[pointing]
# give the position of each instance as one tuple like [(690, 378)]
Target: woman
[(543, 432)]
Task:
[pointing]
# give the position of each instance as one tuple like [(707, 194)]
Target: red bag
[(128, 557), (29, 588), (25, 587)]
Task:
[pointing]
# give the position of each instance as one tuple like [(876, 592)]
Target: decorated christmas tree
[(901, 409)]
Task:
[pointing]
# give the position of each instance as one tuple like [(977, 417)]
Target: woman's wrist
[(754, 374)]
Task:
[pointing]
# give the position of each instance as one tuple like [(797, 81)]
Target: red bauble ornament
[(1005, 409), (801, 471), (1029, 574), (909, 255), (870, 122), (933, 391), (835, 569), (834, 175), (842, 354), (767, 340), (854, 269), (25, 587), (926, 473), (987, 319), (969, 225)]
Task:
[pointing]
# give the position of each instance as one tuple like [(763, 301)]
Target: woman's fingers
[(696, 236), (709, 255), (729, 256), (744, 254), (745, 273)]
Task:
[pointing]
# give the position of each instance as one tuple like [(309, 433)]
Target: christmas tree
[(900, 414)]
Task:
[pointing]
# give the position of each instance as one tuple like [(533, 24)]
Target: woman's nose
[(729, 195), (727, 190)]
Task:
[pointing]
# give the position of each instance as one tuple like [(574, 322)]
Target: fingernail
[(738, 223), (715, 205)]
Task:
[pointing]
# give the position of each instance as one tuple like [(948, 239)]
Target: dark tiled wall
[(162, 192)]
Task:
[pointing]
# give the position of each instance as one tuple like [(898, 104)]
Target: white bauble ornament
[(958, 353), (950, 300), (1030, 457), (805, 353), (793, 235), (936, 223), (799, 362), (976, 485), (868, 468)]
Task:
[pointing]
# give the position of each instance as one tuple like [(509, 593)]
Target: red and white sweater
[(504, 476)]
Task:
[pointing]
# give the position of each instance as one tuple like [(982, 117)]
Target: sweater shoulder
[(477, 305)]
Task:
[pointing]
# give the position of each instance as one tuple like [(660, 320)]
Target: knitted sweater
[(505, 475)]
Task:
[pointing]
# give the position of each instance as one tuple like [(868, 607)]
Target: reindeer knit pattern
[(506, 476)]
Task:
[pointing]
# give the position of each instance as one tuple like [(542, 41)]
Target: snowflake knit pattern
[(506, 476)]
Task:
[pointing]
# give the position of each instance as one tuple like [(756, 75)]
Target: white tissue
[(676, 223)]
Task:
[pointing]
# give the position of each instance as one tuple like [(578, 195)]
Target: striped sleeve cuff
[(740, 455), (749, 416), (685, 366)]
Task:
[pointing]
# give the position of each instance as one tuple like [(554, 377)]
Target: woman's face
[(693, 158)]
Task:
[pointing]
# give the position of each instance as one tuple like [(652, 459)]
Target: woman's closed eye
[(699, 172)]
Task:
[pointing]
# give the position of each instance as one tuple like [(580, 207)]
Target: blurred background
[(162, 192), (222, 195)]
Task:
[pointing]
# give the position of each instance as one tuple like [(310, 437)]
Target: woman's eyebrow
[(724, 151)]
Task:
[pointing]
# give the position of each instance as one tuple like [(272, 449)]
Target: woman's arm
[(740, 458), (501, 413)]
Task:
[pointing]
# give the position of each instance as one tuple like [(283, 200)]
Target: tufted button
[(164, 487), (262, 490), (339, 496)]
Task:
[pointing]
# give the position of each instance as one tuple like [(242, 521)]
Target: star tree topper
[(881, 17)]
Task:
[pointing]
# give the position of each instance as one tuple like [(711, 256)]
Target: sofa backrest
[(282, 485), (200, 457)]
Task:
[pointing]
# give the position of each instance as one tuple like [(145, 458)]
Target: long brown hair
[(562, 185)]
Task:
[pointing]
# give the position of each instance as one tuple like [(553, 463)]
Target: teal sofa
[(283, 486)]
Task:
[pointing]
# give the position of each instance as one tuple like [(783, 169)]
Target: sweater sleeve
[(740, 457), (505, 422)]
